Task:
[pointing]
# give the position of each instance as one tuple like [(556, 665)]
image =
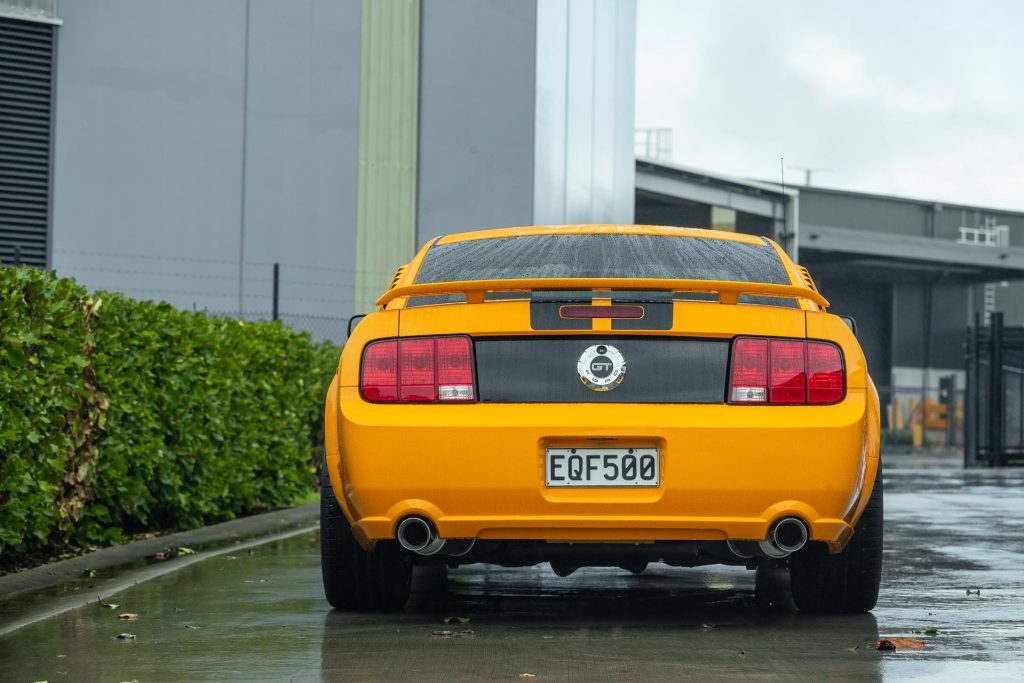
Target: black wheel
[(847, 582), (356, 579)]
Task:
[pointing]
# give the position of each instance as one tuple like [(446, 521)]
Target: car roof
[(601, 229)]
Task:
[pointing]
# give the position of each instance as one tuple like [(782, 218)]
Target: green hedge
[(120, 416)]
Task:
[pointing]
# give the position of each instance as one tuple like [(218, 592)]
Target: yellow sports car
[(602, 395)]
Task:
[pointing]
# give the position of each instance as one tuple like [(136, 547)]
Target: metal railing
[(994, 415)]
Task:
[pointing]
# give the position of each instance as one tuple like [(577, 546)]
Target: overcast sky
[(921, 98)]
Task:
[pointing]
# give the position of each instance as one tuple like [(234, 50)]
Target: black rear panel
[(658, 370)]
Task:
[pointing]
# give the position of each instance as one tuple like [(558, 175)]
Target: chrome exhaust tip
[(786, 536), (458, 547), (741, 549), (416, 534)]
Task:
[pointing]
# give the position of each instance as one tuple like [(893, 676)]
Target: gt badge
[(601, 367)]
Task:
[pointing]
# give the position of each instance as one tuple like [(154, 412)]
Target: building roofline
[(775, 188), (745, 184), (907, 200)]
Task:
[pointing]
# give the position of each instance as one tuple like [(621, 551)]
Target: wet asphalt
[(953, 562)]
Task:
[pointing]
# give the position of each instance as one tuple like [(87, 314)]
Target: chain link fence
[(320, 328)]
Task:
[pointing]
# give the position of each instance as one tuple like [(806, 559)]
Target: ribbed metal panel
[(388, 126), (26, 106)]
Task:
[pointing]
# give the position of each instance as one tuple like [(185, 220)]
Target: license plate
[(609, 467)]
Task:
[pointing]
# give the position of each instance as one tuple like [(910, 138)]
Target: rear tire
[(356, 579), (847, 582)]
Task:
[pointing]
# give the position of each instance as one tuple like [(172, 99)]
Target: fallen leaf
[(89, 573), (125, 636), (440, 633), (456, 620), (186, 551), (128, 616), (853, 649), (526, 675), (160, 556), (900, 644), (547, 637), (708, 627), (231, 557), (193, 626), (111, 605), (743, 652)]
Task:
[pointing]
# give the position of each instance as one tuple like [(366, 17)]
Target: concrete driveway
[(259, 614)]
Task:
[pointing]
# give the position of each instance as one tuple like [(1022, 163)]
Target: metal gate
[(994, 419)]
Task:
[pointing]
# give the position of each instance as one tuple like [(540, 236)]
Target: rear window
[(602, 255)]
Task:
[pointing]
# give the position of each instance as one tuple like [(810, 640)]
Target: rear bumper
[(727, 472)]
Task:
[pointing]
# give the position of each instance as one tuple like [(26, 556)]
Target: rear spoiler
[(728, 292)]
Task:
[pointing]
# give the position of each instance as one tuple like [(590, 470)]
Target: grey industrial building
[(913, 273), (178, 149)]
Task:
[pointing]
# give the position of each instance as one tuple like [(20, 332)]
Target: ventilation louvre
[(398, 276), (808, 280), (26, 107)]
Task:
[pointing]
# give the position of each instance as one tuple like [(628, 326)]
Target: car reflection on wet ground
[(953, 563)]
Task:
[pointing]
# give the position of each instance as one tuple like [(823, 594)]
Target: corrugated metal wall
[(26, 114), (900, 216), (198, 143), (388, 125), (863, 213), (584, 165), (476, 127)]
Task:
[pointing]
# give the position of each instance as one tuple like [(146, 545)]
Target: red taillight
[(379, 379), (749, 371), (419, 370), (416, 369), (787, 382), (824, 373), (783, 371), (455, 369)]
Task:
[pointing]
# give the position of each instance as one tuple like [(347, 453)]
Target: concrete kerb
[(224, 537)]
